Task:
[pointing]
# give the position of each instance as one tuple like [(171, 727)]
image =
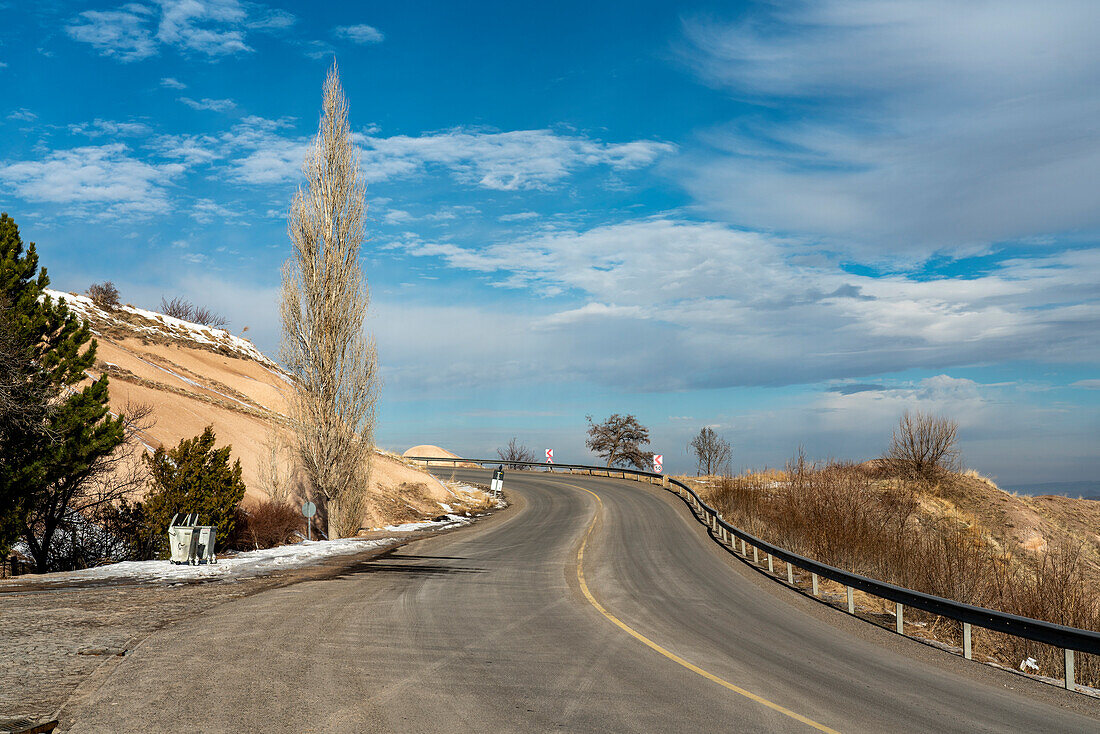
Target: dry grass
[(924, 538)]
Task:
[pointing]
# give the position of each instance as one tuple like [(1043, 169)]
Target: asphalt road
[(492, 629)]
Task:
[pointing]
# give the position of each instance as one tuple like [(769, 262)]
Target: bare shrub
[(177, 308), (206, 317), (104, 295), (712, 452), (515, 451), (184, 310), (924, 447), (266, 525)]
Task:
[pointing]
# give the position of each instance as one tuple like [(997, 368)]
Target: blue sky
[(788, 221)]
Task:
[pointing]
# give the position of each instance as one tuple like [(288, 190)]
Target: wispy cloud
[(124, 34), (136, 31), (362, 33), (115, 129), (503, 161), (96, 181), (904, 127), (22, 114), (215, 105), (713, 295), (172, 83)]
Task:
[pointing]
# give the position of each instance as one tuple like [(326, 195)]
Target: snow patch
[(243, 565)]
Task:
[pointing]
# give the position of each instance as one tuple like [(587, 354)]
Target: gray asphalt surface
[(487, 629)]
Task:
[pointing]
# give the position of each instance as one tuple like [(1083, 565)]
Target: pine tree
[(194, 477), (51, 447)]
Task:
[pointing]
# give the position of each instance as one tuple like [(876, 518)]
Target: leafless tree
[(924, 447), (619, 440), (325, 300), (515, 451), (712, 452)]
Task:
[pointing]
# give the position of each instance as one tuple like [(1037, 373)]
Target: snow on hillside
[(157, 324)]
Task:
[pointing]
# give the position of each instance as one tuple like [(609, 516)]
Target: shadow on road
[(407, 564)]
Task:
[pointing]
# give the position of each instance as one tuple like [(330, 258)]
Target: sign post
[(309, 510), (658, 463), (549, 456), (497, 485)]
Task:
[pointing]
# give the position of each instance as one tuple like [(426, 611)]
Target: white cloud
[(518, 216), (273, 20), (215, 105), (23, 114), (210, 27), (110, 127), (731, 307), (361, 34), (907, 126), (1087, 384), (172, 83), (207, 210), (397, 216), (123, 33), (136, 31), (97, 181), (507, 161)]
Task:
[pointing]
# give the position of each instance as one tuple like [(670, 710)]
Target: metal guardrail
[(1069, 639)]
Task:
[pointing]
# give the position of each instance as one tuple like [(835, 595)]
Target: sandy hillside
[(193, 376)]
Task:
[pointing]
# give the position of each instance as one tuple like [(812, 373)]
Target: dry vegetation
[(959, 537)]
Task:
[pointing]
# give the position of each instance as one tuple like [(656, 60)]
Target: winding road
[(591, 604)]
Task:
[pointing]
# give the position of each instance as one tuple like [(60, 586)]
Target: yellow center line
[(667, 653)]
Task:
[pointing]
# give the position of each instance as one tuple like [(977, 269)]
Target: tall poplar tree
[(324, 304)]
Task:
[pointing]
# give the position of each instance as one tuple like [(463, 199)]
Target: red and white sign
[(549, 456), (658, 462)]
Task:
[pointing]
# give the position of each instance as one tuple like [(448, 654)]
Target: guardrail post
[(967, 651), (899, 625), (771, 568), (790, 574), (1070, 685), (813, 576), (744, 549), (756, 555), (851, 600)]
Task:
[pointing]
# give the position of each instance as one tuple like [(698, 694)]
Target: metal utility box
[(189, 542)]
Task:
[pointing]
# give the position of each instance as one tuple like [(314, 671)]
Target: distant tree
[(924, 447), (712, 452), (619, 439), (177, 308), (194, 477), (515, 451), (184, 310), (48, 459), (104, 295), (325, 297)]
